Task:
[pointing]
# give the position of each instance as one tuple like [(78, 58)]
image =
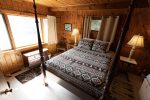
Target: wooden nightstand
[(129, 63), (70, 45), (125, 59)]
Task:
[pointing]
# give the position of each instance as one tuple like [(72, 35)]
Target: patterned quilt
[(83, 68)]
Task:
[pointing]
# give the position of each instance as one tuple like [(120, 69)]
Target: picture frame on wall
[(68, 27)]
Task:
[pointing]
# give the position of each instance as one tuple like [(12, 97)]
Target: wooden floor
[(124, 89), (35, 89), (58, 89)]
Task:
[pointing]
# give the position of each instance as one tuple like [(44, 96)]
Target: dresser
[(33, 58), (145, 89)]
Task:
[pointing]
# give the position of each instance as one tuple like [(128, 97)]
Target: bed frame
[(117, 52)]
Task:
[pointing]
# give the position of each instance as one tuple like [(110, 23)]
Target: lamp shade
[(75, 31), (137, 40)]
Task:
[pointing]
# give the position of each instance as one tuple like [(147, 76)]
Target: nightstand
[(70, 45), (129, 63)]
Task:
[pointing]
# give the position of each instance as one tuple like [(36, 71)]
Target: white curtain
[(87, 26), (108, 29), (52, 31)]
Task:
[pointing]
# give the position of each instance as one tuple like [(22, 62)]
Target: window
[(4, 38), (45, 21), (24, 30), (95, 25)]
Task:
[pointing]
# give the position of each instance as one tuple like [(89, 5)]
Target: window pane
[(95, 25), (24, 30), (4, 38), (45, 21)]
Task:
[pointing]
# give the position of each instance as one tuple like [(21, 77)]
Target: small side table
[(70, 45), (129, 63)]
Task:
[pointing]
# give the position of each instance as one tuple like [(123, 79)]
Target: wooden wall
[(76, 18), (140, 24), (25, 8), (11, 62)]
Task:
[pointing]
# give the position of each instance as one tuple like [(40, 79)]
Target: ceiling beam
[(93, 6), (9, 6)]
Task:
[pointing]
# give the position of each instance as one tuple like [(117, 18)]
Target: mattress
[(85, 69)]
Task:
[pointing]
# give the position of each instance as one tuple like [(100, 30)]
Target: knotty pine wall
[(140, 23), (76, 18), (25, 8), (11, 62)]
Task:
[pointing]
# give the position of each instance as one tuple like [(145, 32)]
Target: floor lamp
[(75, 33), (136, 41)]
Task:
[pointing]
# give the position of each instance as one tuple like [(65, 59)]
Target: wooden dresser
[(32, 58)]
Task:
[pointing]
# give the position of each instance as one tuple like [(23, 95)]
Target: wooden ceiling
[(68, 3)]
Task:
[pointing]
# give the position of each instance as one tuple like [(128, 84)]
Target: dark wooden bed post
[(124, 30), (40, 43)]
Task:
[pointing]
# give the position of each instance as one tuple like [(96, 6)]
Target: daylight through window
[(24, 30), (4, 37)]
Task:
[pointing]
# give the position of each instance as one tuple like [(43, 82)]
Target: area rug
[(28, 75)]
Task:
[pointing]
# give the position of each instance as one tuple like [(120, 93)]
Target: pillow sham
[(86, 43), (100, 46)]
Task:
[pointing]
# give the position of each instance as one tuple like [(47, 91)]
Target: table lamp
[(74, 33), (136, 41)]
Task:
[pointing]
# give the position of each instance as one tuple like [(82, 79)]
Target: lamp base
[(131, 53)]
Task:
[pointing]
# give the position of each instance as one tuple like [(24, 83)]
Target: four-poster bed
[(63, 69), (40, 44)]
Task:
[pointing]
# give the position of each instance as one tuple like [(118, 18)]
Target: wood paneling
[(76, 18), (9, 6), (101, 3), (51, 48), (11, 62), (139, 25)]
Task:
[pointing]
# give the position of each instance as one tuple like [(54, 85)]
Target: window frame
[(10, 34)]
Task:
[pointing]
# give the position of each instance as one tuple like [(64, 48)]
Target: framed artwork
[(95, 25), (68, 27)]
